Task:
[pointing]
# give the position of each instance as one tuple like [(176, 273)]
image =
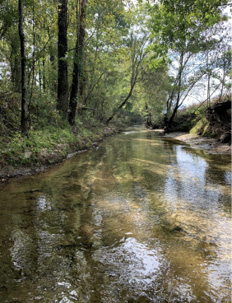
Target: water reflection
[(43, 204), (139, 220), (193, 197), (130, 269)]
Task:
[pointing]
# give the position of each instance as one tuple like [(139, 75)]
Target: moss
[(199, 127)]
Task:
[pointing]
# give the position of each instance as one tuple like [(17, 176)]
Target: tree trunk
[(170, 120), (40, 77), (78, 62), (124, 102), (134, 76), (23, 73), (15, 70), (62, 97), (32, 70), (223, 77), (137, 58), (83, 83), (208, 75), (51, 77), (44, 76)]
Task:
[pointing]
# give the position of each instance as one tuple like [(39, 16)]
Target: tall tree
[(137, 52), (107, 26), (179, 27), (62, 98), (135, 45), (78, 61), (24, 113)]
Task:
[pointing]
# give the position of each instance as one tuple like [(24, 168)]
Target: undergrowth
[(46, 146), (50, 138)]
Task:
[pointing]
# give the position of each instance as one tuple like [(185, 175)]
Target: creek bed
[(140, 219)]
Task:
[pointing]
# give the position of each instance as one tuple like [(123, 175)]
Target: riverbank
[(31, 161), (22, 156), (209, 145), (140, 219)]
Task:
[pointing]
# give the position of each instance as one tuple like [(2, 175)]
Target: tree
[(62, 97), (24, 112), (9, 41), (225, 62), (151, 93), (78, 63), (178, 28), (104, 59), (137, 52), (135, 48)]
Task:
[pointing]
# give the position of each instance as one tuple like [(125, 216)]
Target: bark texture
[(23, 72), (78, 62), (62, 97)]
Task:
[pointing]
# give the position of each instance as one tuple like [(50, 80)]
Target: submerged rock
[(178, 228)]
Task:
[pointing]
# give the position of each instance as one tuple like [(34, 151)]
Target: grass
[(47, 146)]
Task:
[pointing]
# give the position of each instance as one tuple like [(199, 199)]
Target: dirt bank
[(210, 145)]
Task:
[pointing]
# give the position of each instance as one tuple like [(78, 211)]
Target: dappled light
[(129, 222), (115, 151)]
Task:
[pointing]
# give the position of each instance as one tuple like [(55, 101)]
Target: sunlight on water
[(141, 219)]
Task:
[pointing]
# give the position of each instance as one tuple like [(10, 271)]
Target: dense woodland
[(69, 66)]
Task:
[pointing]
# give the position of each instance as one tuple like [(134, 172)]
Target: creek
[(141, 219)]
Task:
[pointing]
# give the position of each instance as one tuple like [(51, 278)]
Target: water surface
[(141, 219)]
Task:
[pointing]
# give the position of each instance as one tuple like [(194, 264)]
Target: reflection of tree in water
[(84, 230), (218, 179), (50, 231), (217, 176)]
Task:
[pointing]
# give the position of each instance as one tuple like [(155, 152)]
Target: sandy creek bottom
[(140, 219)]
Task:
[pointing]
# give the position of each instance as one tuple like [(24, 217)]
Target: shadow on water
[(141, 219)]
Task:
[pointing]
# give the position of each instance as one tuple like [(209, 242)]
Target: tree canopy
[(107, 60)]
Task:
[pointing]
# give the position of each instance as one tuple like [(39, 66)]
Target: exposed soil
[(210, 145)]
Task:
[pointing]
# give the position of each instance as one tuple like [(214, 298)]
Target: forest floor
[(209, 145)]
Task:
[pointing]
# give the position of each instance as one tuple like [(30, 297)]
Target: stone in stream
[(178, 228)]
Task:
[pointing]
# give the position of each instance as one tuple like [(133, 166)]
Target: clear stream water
[(140, 219)]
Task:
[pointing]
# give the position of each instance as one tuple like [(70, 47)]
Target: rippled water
[(141, 219)]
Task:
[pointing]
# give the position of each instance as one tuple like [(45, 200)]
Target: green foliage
[(179, 21), (48, 145), (119, 37), (183, 34), (201, 126)]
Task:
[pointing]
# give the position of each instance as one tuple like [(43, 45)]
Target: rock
[(177, 228), (27, 154)]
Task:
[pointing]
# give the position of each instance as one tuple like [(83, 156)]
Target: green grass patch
[(46, 146)]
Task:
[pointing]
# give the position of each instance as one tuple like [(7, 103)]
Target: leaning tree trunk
[(124, 102), (23, 73), (62, 97), (137, 56), (169, 122), (78, 62)]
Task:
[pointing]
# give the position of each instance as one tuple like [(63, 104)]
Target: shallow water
[(141, 219)]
